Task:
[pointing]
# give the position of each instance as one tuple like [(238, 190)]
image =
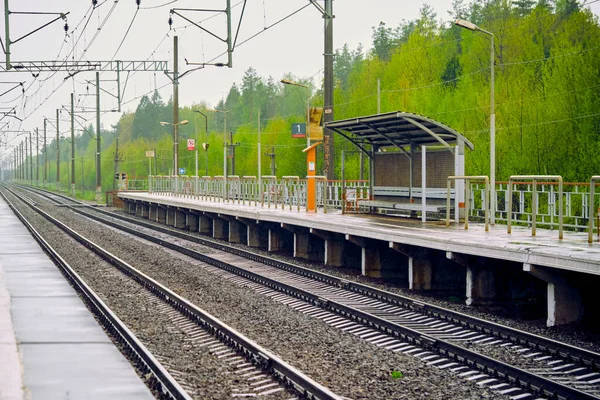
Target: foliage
[(547, 93)]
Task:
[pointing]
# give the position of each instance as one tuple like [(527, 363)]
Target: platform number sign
[(191, 144), (299, 130)]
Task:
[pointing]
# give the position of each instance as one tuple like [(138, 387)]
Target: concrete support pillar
[(170, 217), (180, 219), (131, 207), (237, 232), (303, 248), (126, 205), (256, 234), (333, 247), (275, 242), (205, 225), (191, 222), (420, 268), (145, 211), (138, 209), (161, 215), (152, 212), (220, 228), (564, 299), (370, 260), (420, 273)]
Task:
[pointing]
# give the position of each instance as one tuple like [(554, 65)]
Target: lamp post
[(224, 112), (292, 83), (175, 144), (205, 146), (472, 27)]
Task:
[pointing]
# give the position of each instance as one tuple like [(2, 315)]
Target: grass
[(397, 375)]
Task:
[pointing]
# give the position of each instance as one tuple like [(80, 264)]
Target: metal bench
[(394, 207)]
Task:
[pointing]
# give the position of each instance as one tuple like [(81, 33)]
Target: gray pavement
[(51, 346)]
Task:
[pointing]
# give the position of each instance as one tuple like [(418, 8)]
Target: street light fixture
[(292, 83), (472, 27), (175, 144)]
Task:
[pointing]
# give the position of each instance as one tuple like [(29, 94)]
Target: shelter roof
[(397, 129)]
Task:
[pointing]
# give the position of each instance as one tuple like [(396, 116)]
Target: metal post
[(82, 183), (72, 147), (328, 142), (175, 106), (423, 183), (307, 116), (534, 206), (378, 96), (225, 159), (119, 85), (26, 169), (344, 195), (591, 206), (229, 47), (45, 157), (492, 140), (30, 160), (7, 33), (98, 143), (57, 151), (37, 157), (259, 162)]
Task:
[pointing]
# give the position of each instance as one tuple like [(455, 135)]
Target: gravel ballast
[(342, 362), (202, 374)]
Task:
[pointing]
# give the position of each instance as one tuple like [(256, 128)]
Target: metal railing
[(485, 204), (534, 201), (287, 191), (575, 198)]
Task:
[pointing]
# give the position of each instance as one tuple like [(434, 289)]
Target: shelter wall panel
[(393, 169)]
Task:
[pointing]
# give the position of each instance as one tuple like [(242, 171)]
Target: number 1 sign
[(299, 130)]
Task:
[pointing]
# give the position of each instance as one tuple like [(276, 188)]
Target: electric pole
[(118, 159), (175, 106), (45, 157), (37, 157), (272, 155), (328, 142), (72, 148), (231, 150), (57, 152), (26, 173), (98, 146), (82, 184), (30, 160)]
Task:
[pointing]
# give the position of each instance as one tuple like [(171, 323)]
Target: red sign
[(191, 144)]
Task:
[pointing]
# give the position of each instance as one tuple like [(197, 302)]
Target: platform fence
[(285, 193), (274, 192), (575, 198)]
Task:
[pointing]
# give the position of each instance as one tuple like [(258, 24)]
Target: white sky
[(295, 46)]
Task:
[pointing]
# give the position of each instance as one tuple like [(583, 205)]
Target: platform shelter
[(410, 159)]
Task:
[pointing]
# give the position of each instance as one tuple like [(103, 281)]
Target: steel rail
[(135, 350), (285, 373), (576, 354), (519, 377)]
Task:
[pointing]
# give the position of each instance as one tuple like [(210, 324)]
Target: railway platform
[(51, 347), (492, 267)]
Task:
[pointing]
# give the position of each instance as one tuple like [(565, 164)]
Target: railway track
[(440, 337), (258, 371)]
